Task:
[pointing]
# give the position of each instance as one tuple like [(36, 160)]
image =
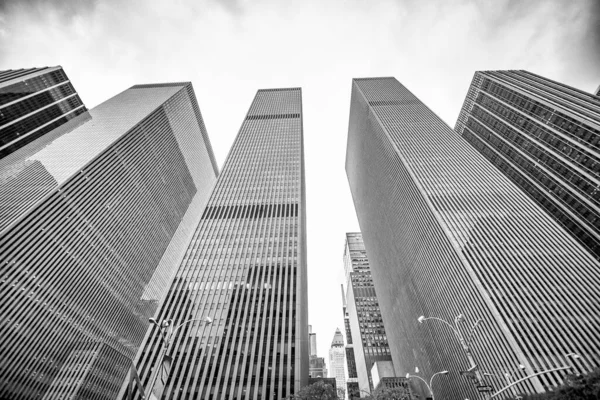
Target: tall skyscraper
[(369, 341), (336, 362), (545, 136), (245, 267), (33, 102), (449, 234), (93, 219)]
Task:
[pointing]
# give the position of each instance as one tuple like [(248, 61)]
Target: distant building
[(336, 362), (448, 234), (545, 137), (384, 376), (317, 367), (352, 387), (365, 323), (92, 218), (33, 102), (312, 341), (597, 92)]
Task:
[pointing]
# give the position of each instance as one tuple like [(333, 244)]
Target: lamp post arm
[(425, 382), (431, 380), (186, 322), (472, 331), (456, 332), (526, 378)]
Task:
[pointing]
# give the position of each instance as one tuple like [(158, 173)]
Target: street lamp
[(429, 385), (521, 367), (473, 371), (509, 375), (166, 340)]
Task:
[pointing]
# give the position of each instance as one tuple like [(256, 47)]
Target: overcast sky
[(231, 48)]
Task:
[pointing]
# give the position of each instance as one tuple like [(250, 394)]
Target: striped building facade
[(545, 136), (94, 218), (449, 234), (33, 102), (245, 268)]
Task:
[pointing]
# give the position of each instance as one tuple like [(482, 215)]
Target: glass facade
[(34, 102), (545, 137), (364, 316), (87, 258), (449, 234), (245, 267)]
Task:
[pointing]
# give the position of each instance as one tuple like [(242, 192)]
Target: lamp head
[(408, 375), (166, 323), (152, 320), (521, 367), (208, 320), (421, 319), (460, 318), (444, 373), (574, 355)]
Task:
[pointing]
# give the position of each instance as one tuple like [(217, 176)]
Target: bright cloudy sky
[(231, 48)]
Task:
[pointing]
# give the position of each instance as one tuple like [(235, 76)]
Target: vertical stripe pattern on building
[(545, 137), (33, 102), (448, 234), (245, 267), (97, 216)]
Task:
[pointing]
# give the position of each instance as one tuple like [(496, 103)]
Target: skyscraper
[(33, 102), (336, 362), (245, 267), (448, 234), (545, 136), (93, 218), (364, 316)]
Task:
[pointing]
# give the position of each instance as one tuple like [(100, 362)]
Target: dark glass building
[(369, 343), (245, 268), (544, 136), (448, 234), (94, 218), (33, 102)]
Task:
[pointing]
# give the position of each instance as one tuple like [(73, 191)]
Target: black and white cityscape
[(338, 200)]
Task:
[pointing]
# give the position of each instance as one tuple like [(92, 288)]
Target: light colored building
[(337, 362), (448, 234), (245, 267), (317, 367)]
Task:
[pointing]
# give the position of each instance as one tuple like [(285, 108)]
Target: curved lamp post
[(429, 385), (167, 339), (511, 384), (473, 371)]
